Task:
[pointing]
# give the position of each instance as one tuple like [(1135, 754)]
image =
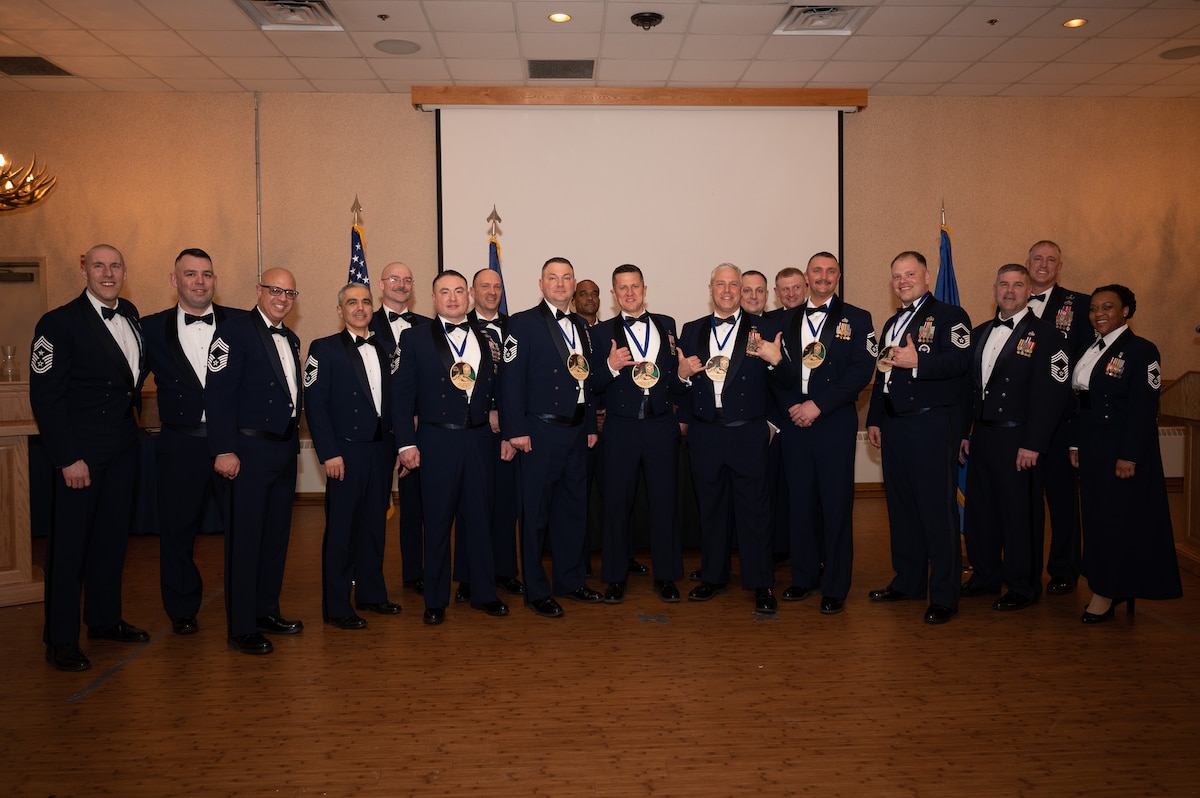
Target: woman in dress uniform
[(1129, 548)]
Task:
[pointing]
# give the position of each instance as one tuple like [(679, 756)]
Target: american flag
[(358, 258)]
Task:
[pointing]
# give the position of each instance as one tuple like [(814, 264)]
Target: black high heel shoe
[(1091, 617)]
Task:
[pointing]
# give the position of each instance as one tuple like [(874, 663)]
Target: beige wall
[(1113, 181)]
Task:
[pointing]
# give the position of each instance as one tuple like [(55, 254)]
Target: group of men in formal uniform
[(489, 421)]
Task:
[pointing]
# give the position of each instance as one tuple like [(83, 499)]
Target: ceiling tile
[(424, 39), (62, 42), (476, 16), (781, 71), (8, 84), (906, 21), (1151, 56), (705, 84), (927, 72), (1139, 73), (562, 45), (373, 86), (618, 71), (1159, 90), (237, 44), (225, 85), (334, 68), (701, 71), (271, 85), (1030, 50), (535, 17), (410, 68), (973, 21), (313, 44), (956, 48), (995, 73), (1067, 73), (1037, 90), (878, 48), (85, 66), (1188, 77), (187, 67), (257, 68), (801, 48), (10, 46), (732, 19), (1151, 23), (31, 15), (904, 89), (485, 69), (196, 15), (362, 16), (148, 42), (853, 73), (1127, 4), (58, 84), (1095, 51), (637, 47), (721, 47), (131, 84), (108, 15), (479, 45), (1092, 90), (971, 89)]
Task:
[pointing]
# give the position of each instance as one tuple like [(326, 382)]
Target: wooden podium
[(20, 581), (1182, 400)]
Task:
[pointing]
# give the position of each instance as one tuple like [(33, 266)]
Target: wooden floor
[(638, 699)]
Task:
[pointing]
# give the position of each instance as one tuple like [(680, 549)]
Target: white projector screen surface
[(675, 192)]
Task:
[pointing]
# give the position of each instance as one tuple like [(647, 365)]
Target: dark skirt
[(1128, 544)]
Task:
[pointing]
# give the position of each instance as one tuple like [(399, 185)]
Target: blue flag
[(947, 286), (358, 258), (494, 265)]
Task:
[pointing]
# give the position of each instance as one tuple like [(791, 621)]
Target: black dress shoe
[(67, 657), (704, 591), (120, 632), (794, 593), (434, 615), (512, 585), (831, 605), (666, 590), (273, 624), (186, 625), (1091, 617), (547, 608), (415, 585), (253, 643), (1011, 601), (379, 607), (497, 608), (349, 622), (971, 589), (637, 568), (695, 575), (1060, 587), (615, 593), (764, 601), (938, 614), (462, 594), (887, 594), (586, 595)]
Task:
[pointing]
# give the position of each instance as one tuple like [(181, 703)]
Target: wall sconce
[(20, 188)]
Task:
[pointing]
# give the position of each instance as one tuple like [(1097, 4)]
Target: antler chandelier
[(20, 188)]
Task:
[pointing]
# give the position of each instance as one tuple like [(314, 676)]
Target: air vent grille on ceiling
[(561, 70), (823, 20), (30, 66), (290, 14)]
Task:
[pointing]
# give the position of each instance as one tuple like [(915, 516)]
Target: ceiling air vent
[(290, 14), (823, 20), (29, 66), (561, 70)]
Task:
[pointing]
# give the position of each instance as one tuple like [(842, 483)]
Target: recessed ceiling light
[(560, 17), (1078, 22), (397, 46)]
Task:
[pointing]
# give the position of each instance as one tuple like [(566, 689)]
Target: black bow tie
[(906, 309), (188, 318), (1039, 297), (644, 318), (360, 341), (558, 314), (1002, 323), (818, 309), (108, 313), (464, 326), (406, 315), (730, 320), (278, 331)]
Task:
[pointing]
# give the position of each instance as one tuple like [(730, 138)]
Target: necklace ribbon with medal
[(577, 365), (462, 376), (893, 337), (645, 371), (718, 365), (814, 352)]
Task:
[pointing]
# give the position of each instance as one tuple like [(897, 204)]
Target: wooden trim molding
[(429, 97)]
